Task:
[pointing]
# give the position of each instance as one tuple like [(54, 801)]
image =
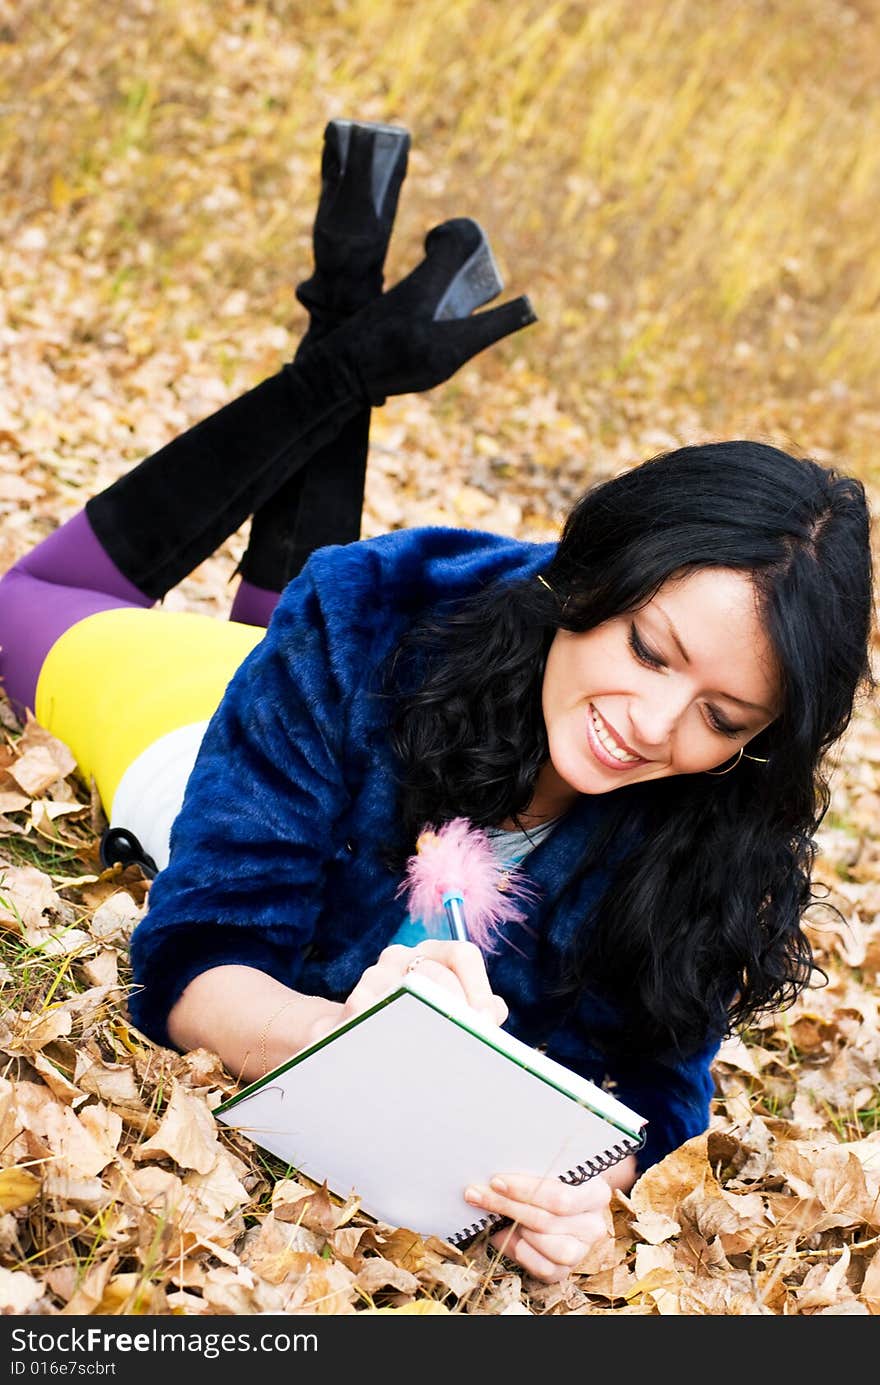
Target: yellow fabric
[(116, 681)]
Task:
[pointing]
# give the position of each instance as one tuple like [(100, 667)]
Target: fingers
[(465, 961), (546, 1260), (367, 990), (458, 967), (543, 1205), (553, 1224), (378, 979)]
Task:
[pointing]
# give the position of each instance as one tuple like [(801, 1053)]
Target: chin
[(585, 776), (581, 778)]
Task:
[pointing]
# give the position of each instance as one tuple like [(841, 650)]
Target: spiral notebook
[(409, 1102)]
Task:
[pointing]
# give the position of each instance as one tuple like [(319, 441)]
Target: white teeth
[(611, 746)]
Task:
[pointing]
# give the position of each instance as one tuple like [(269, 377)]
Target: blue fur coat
[(276, 853)]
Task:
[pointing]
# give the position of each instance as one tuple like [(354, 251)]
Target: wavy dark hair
[(701, 928)]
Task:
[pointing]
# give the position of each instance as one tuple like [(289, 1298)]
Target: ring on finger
[(414, 962)]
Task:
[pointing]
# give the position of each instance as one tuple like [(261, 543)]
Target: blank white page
[(405, 1107)]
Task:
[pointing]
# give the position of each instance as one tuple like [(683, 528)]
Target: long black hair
[(701, 928)]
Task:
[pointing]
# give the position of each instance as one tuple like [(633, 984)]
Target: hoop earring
[(729, 767)]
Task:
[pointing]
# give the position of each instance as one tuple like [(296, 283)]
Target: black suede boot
[(173, 510), (362, 170), (363, 167)]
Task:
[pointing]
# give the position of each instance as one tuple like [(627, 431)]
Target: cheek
[(570, 677), (698, 748)]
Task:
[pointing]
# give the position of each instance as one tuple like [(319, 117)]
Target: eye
[(719, 724), (641, 650), (652, 660)]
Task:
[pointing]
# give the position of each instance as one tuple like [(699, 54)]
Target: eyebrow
[(728, 697)]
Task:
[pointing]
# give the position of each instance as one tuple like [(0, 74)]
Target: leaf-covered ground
[(688, 194)]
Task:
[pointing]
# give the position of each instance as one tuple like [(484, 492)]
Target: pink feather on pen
[(457, 858)]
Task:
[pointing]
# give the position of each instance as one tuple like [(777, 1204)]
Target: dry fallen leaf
[(19, 1292), (187, 1134), (18, 1187)]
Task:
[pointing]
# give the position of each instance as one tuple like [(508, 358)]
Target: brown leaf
[(93, 1287), (461, 1280), (56, 1081), (35, 771), (104, 1126), (738, 1220), (420, 1308), (81, 1149), (825, 1284), (102, 970), (114, 1083), (659, 1283), (655, 1227), (96, 888), (236, 1292), (27, 895), (46, 1028), (345, 1243), (115, 917), (615, 1284), (310, 1207), (282, 1252), (187, 1134), (377, 1273), (36, 737), (90, 1194), (130, 1294), (326, 1288), (842, 1189), (220, 1190), (8, 828), (663, 1187), (407, 1247)]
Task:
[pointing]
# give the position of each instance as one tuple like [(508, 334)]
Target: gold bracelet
[(264, 1057)]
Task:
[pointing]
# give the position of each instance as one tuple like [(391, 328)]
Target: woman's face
[(674, 688)]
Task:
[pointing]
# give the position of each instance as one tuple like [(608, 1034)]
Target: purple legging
[(64, 579)]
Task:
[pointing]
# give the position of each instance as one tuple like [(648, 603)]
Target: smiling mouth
[(622, 755)]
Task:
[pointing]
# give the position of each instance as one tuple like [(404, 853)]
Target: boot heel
[(389, 147), (477, 282), (362, 169)]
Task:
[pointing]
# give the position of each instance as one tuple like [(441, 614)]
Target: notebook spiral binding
[(579, 1174)]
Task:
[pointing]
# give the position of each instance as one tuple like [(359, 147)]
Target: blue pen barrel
[(454, 906)]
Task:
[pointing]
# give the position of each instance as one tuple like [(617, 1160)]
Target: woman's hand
[(459, 967), (555, 1223)]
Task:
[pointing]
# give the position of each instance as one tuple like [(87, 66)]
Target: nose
[(653, 718)]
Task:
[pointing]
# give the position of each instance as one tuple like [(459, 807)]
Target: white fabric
[(150, 795), (151, 790), (512, 846)]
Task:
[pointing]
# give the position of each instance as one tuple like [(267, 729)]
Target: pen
[(459, 887), (454, 906)]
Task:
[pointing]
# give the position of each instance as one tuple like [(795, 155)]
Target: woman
[(638, 713)]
